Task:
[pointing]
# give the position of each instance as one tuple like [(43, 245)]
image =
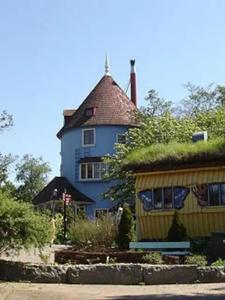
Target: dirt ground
[(27, 291)]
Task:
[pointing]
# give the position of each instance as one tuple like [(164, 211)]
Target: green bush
[(218, 263), (153, 258), (198, 260), (21, 226), (93, 233), (177, 231), (125, 228)]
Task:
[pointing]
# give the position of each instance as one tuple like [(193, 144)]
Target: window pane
[(214, 198), (83, 171), (168, 198), (88, 137), (222, 189), (97, 170), (89, 171), (157, 198)]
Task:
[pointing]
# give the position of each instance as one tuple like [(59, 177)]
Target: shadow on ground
[(167, 297)]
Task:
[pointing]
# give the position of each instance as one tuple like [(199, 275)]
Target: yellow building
[(193, 184)]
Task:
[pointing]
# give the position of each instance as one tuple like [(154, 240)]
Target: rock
[(105, 274), (211, 274), (166, 274), (16, 271)]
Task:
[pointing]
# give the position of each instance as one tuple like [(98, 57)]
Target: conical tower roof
[(110, 106)]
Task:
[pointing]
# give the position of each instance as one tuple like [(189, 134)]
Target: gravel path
[(27, 291)]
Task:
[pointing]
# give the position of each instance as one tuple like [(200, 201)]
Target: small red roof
[(110, 104)]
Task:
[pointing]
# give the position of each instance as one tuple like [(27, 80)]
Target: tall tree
[(32, 173), (205, 110)]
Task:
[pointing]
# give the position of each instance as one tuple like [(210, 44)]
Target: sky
[(52, 54)]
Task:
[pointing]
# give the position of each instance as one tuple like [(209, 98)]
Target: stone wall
[(110, 273)]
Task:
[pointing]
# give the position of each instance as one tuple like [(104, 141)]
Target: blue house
[(89, 133)]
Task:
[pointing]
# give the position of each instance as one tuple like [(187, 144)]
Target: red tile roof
[(112, 107)]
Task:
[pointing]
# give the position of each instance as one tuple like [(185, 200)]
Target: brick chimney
[(133, 91)]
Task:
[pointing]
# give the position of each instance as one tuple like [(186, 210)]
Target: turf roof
[(176, 156)]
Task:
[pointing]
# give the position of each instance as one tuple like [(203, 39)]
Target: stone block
[(105, 274), (211, 274), (15, 271), (169, 274)]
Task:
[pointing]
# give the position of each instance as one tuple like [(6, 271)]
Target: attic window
[(90, 111)]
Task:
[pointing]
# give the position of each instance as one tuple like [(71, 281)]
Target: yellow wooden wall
[(199, 221)]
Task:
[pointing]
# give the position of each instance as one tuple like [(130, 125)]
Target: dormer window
[(88, 137), (90, 111)]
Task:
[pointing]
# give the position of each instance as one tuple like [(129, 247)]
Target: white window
[(121, 138), (88, 137), (92, 171)]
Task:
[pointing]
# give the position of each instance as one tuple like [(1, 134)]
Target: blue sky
[(52, 54)]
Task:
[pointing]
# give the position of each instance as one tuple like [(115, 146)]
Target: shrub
[(177, 231), (21, 226), (198, 260), (218, 263), (153, 258), (125, 228), (95, 233)]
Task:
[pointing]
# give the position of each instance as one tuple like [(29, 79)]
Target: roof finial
[(107, 65)]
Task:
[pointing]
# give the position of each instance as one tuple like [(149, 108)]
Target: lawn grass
[(176, 154)]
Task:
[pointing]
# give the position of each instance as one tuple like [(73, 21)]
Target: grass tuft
[(176, 154)]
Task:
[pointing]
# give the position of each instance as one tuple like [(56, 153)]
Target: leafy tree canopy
[(21, 226), (32, 173), (162, 122)]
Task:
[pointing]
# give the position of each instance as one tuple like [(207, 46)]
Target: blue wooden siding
[(72, 151)]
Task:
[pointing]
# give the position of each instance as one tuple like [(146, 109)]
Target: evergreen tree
[(125, 228), (177, 231)]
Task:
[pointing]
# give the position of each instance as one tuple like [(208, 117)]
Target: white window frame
[(88, 145), (117, 138), (86, 171)]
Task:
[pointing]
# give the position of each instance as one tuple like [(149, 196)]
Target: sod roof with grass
[(172, 156)]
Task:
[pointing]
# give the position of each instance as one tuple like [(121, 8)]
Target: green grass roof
[(175, 155)]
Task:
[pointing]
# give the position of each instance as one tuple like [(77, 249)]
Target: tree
[(203, 109), (202, 99), (177, 231), (125, 228), (32, 173), (156, 106), (21, 226), (5, 163), (6, 120)]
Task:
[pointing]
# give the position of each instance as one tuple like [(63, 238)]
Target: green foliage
[(198, 260), (59, 236), (174, 152), (6, 120), (218, 263), (93, 233), (160, 123), (21, 226), (177, 231), (125, 229), (32, 173), (5, 163), (153, 258)]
